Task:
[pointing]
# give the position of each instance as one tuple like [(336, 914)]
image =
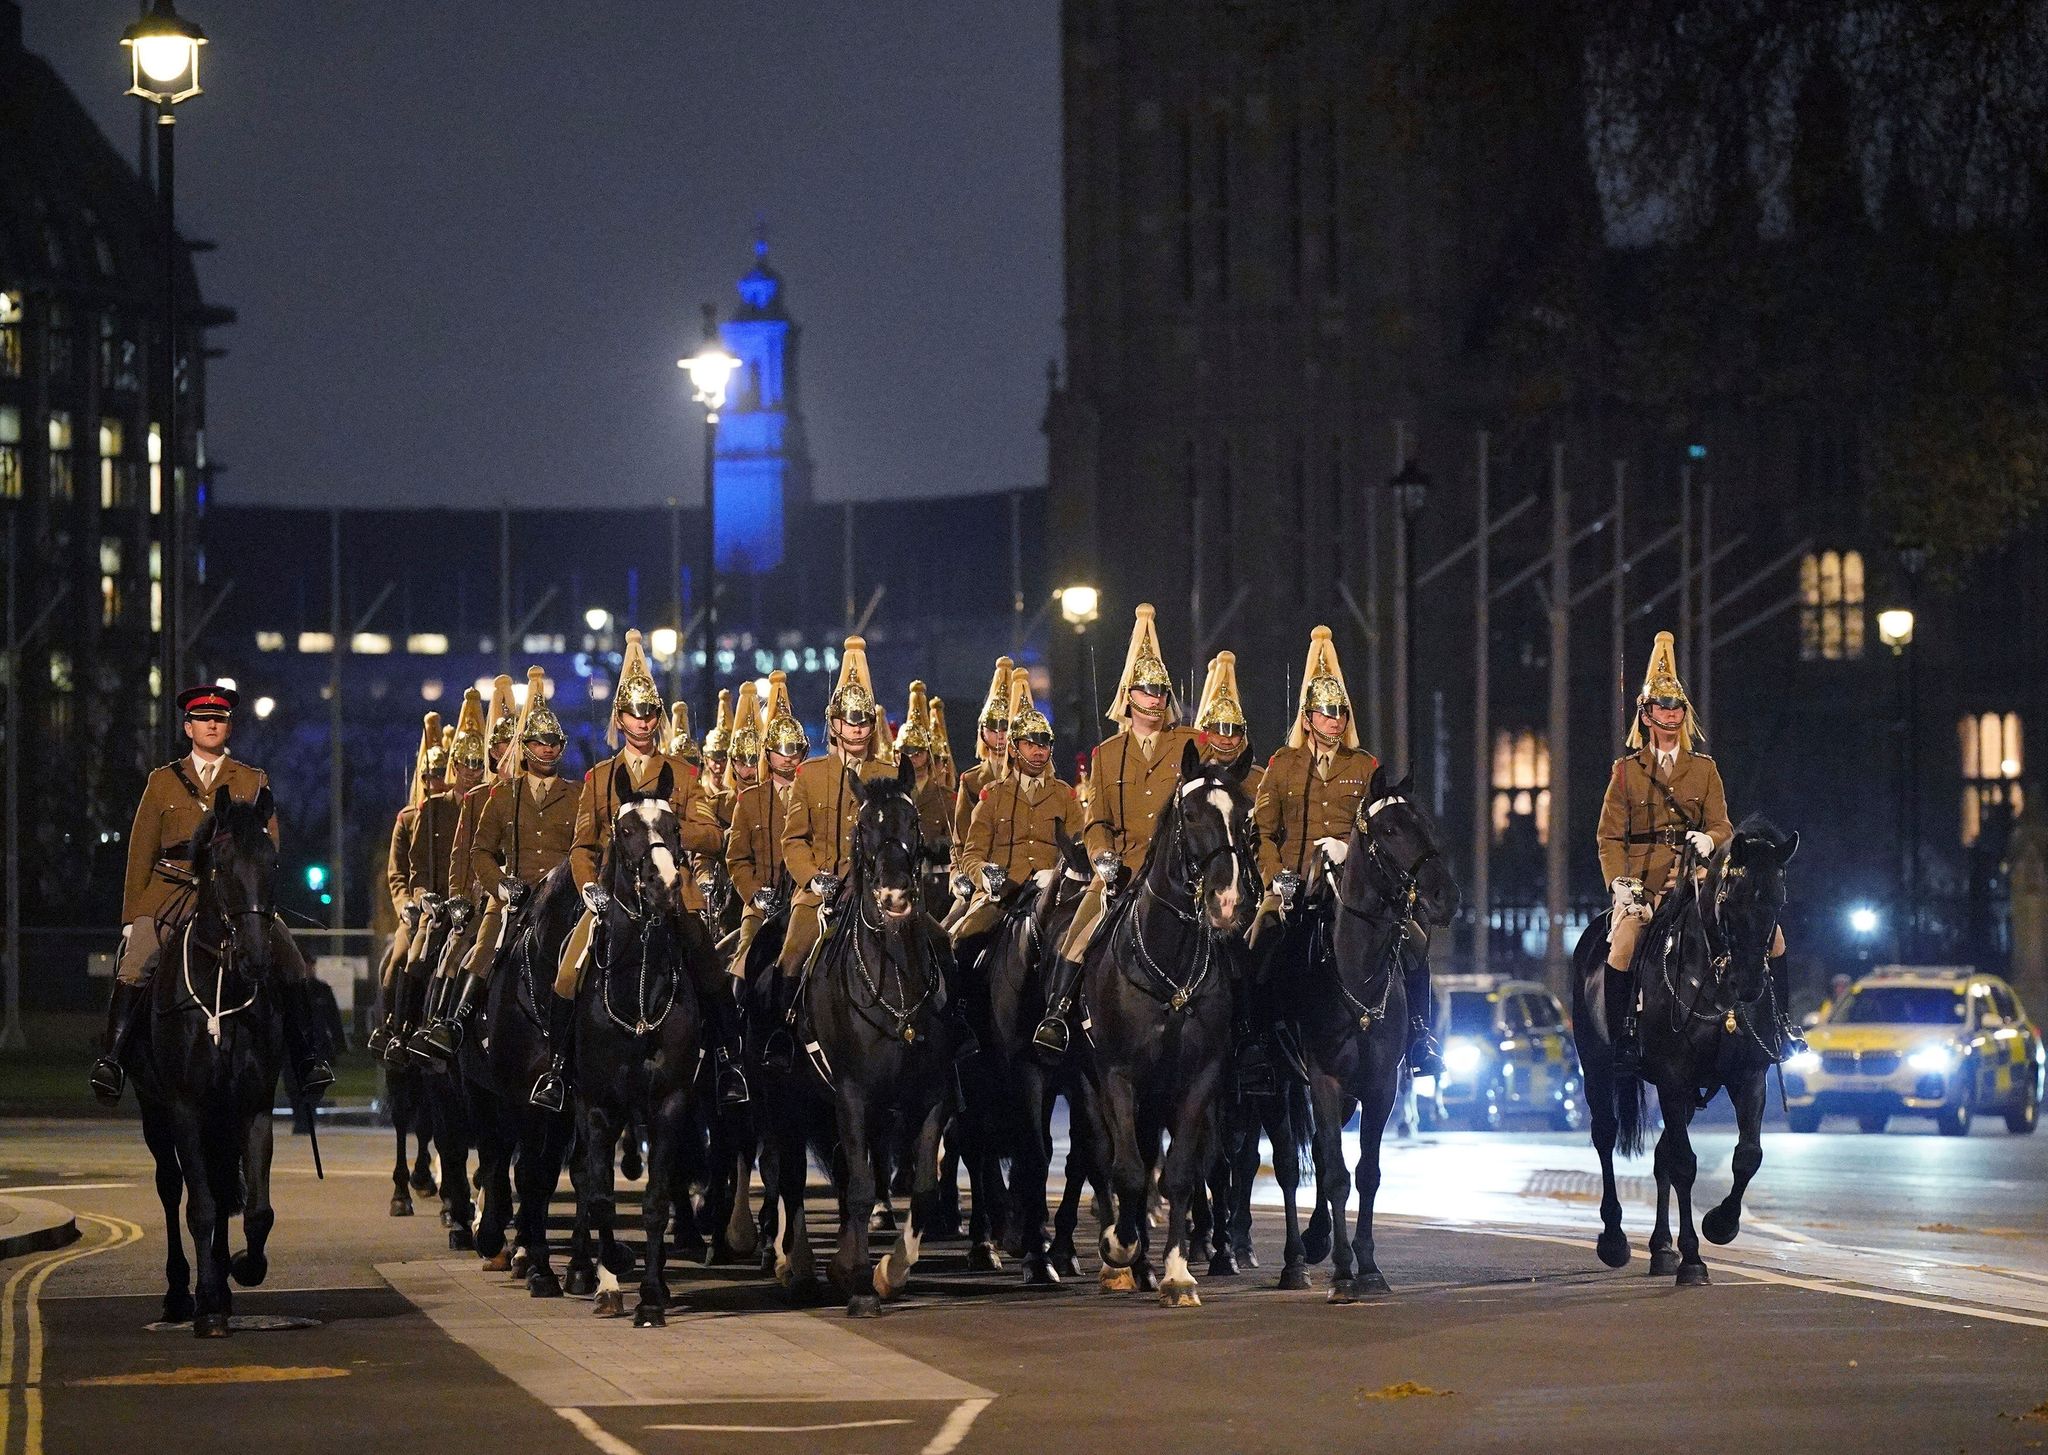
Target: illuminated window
[(1521, 782), (316, 641), (270, 641), (110, 555), (370, 644), (10, 335), (156, 472), (60, 454), (111, 479), (61, 676), (10, 451), (427, 644), (432, 689), (1994, 755), (110, 600), (1831, 606)]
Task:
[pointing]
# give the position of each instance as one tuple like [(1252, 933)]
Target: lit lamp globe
[(664, 641), (163, 51), (1895, 627), (710, 369), (1079, 605)]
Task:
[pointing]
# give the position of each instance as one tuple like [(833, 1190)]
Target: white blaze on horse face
[(652, 812), (1226, 898)]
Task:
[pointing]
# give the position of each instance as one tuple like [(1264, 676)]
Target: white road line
[(956, 1427), (595, 1433), (1776, 1230), (67, 1187), (781, 1429)]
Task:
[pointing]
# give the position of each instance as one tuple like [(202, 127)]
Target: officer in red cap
[(153, 906)]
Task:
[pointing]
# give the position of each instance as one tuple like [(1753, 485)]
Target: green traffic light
[(316, 876)]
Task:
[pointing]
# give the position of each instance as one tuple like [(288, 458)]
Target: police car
[(1507, 1053), (1942, 1043)]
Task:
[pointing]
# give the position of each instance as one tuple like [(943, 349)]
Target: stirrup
[(1423, 1056), (1791, 1039), (379, 1038), (778, 1052), (1255, 1072), (107, 1080), (549, 1092), (732, 1086), (315, 1077), (1052, 1036)]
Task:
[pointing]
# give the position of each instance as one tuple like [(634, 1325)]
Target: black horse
[(1709, 1021), (1354, 993), (639, 1036), (206, 1069), (878, 1040), (1158, 981)]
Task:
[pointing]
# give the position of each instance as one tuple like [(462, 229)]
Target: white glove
[(596, 899), (764, 899), (1629, 901), (963, 886), (1702, 843), (505, 889), (1286, 884), (822, 885), (1335, 850), (1105, 866)]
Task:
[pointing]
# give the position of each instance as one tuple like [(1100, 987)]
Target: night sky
[(468, 242)]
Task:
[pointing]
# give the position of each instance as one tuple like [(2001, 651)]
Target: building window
[(1994, 756), (1831, 606), (10, 452), (59, 354), (60, 454), (1521, 783), (10, 335), (110, 600), (156, 469), (61, 674), (111, 478)]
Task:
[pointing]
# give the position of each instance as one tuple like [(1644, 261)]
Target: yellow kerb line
[(120, 1233)]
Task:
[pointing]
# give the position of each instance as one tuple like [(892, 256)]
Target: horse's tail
[(1301, 1131), (1631, 1109)]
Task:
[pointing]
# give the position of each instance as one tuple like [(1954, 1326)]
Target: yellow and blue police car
[(1904, 1041), (1507, 1053)]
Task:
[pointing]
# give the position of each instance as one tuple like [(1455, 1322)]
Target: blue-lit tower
[(763, 472)]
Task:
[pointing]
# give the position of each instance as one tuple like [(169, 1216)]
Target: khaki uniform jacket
[(1295, 806), (430, 844), (394, 858), (598, 805), (1013, 825), (934, 814), (1637, 823), (965, 796), (521, 836), (1126, 792), (817, 835), (165, 821), (461, 877), (753, 841)]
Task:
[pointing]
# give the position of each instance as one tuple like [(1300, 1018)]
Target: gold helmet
[(916, 732), (636, 688), (1145, 668), (1027, 723), (537, 721), (1661, 685), (717, 742), (942, 746), (468, 748), (780, 730), (853, 700), (501, 722), (680, 744), (1220, 710), (743, 740), (1322, 688), (995, 713), (427, 761)]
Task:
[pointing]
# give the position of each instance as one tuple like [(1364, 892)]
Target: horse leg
[(860, 1136), (1613, 1244), (1684, 1166), (795, 1267), (666, 1128), (1063, 1257), (540, 1168), (1374, 1107), (202, 1218), (1724, 1220), (1332, 1184), (927, 1199), (1244, 1172), (1663, 1260), (1222, 1258), (742, 1237), (423, 1181), (252, 1265), (170, 1191), (1121, 1245), (597, 1212), (984, 1190), (1286, 1172), (1180, 1176), (401, 1125)]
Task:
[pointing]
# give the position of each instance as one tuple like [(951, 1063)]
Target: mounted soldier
[(1131, 778), (717, 749), (817, 833), (1223, 735), (471, 766), (944, 773), (637, 766), (934, 804), (753, 839), (1013, 834), (156, 900), (1665, 803), (429, 863), (430, 760), (991, 753)]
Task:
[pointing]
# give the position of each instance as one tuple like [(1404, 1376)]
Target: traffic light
[(316, 877)]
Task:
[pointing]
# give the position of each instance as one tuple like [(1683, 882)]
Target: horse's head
[(1069, 875), (1398, 853), (1743, 896), (1209, 831), (234, 863), (888, 842), (642, 865)]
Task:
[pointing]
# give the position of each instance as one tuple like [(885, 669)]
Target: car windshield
[(1471, 1013), (1902, 1005)]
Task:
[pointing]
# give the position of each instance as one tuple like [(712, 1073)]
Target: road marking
[(68, 1187), (216, 1374), (595, 1433), (34, 1274), (956, 1427), (781, 1429)]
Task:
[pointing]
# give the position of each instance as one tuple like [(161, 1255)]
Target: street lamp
[(1410, 489), (1895, 630), (163, 52), (710, 369), (1080, 604)]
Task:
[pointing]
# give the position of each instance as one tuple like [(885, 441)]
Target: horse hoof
[(1012, 1244), (630, 1166), (1040, 1274), (1315, 1244), (1246, 1258), (1692, 1275), (447, 1218), (542, 1283), (177, 1308), (248, 1269), (1148, 1279), (649, 1316), (461, 1240), (864, 1306), (982, 1258), (1223, 1264), (1117, 1280), (884, 1221), (1613, 1248), (521, 1264), (1371, 1283), (1179, 1295), (610, 1305), (581, 1282), (401, 1207), (1663, 1262), (1294, 1278), (210, 1326), (499, 1262), (424, 1185), (1343, 1291), (742, 1243), (1066, 1265), (1719, 1227)]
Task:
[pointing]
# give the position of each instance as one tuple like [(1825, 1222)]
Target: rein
[(224, 955), (1177, 993), (1396, 907), (645, 1017), (902, 1017)]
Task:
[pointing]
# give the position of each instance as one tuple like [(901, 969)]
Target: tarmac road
[(1886, 1291)]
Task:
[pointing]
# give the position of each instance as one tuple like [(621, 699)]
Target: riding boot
[(444, 1037), (722, 1029), (380, 1038), (778, 1051), (417, 1046), (1285, 1048), (1791, 1039), (1254, 1061), (551, 1089), (1062, 983), (1628, 1045), (1423, 1056), (122, 1011), (304, 1042)]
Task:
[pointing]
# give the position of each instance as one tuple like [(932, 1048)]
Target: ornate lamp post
[(710, 369), (1410, 489)]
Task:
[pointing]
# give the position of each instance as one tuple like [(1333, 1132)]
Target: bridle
[(901, 1018), (652, 1004), (206, 893), (1398, 900), (1721, 950), (1195, 867)]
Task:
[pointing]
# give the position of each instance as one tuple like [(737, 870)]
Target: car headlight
[(1462, 1058), (1933, 1058), (1803, 1064)]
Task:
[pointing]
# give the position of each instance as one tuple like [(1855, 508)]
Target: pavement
[(32, 1224), (1886, 1289)]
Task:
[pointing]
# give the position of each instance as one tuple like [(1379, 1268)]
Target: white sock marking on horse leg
[(1120, 1253), (1177, 1273), (607, 1281)]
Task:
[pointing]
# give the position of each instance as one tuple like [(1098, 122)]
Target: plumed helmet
[(537, 720), (781, 732), (718, 742), (995, 711), (468, 748), (1144, 668), (1219, 709), (942, 745), (916, 732), (853, 700), (1661, 684), (743, 740), (427, 760), (1322, 690), (1027, 723), (636, 691), (680, 744)]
